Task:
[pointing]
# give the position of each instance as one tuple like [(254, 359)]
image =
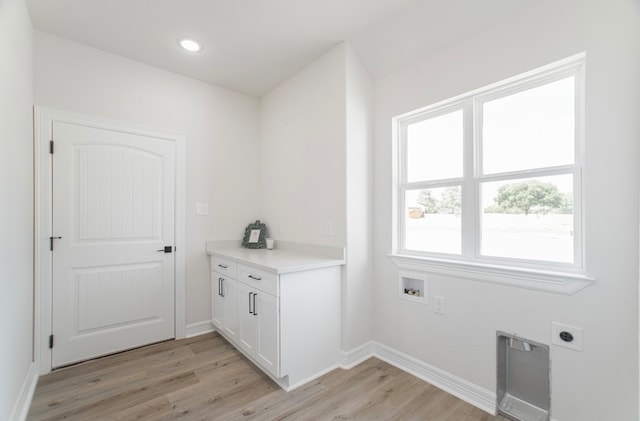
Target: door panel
[(217, 301), (116, 296), (230, 307), (267, 309), (118, 191), (113, 206), (248, 323)]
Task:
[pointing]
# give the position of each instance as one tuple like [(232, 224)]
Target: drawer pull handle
[(257, 278), (255, 311), (223, 266)]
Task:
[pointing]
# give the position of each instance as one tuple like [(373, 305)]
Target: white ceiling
[(251, 46)]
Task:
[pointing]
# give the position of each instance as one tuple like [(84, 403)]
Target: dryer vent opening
[(523, 379)]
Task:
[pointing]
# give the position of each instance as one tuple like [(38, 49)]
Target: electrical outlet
[(280, 228), (566, 336), (329, 229), (438, 305)]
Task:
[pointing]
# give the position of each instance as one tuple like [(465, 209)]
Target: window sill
[(539, 280)]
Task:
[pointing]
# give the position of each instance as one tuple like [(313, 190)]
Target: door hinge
[(50, 341), (51, 146)]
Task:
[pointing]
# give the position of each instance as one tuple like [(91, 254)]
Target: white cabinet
[(268, 332), (229, 294), (281, 309), (217, 300), (248, 334), (223, 303), (224, 314), (258, 333)]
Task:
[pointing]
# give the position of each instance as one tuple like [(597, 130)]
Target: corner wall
[(315, 171), (16, 199), (302, 154), (357, 325), (600, 383)]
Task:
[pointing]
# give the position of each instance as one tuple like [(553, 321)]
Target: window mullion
[(531, 173), (469, 190), (417, 185)]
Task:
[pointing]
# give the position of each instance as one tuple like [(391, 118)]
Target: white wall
[(221, 129), (357, 292), (315, 169), (302, 154), (16, 199), (600, 383)]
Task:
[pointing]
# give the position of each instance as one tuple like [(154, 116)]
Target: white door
[(113, 205)]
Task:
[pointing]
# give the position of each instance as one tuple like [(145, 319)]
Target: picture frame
[(254, 235)]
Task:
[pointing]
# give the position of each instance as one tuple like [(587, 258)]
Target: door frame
[(43, 119)]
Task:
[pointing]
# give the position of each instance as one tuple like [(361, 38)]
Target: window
[(495, 176)]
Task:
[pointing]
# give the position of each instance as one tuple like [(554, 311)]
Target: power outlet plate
[(438, 305), (566, 336)]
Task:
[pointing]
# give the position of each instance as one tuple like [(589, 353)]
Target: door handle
[(51, 242), (166, 249), (250, 294), (222, 287)]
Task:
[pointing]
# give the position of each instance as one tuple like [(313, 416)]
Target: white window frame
[(559, 277)]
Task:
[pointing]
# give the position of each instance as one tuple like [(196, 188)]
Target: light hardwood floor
[(205, 378)]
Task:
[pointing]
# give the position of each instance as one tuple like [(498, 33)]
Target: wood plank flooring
[(205, 378)]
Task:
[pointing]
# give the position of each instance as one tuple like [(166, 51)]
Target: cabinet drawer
[(223, 266), (260, 279)]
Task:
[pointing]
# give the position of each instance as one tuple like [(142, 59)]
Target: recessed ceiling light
[(190, 45)]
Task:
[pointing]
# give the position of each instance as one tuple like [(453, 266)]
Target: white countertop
[(285, 258)]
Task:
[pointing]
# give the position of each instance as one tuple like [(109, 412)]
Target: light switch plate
[(202, 209)]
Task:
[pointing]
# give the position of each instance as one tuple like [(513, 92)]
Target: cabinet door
[(217, 300), (229, 293), (266, 310), (247, 322)]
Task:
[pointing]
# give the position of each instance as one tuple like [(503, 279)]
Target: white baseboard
[(290, 387), (21, 407), (467, 391), (200, 328), (357, 355)]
